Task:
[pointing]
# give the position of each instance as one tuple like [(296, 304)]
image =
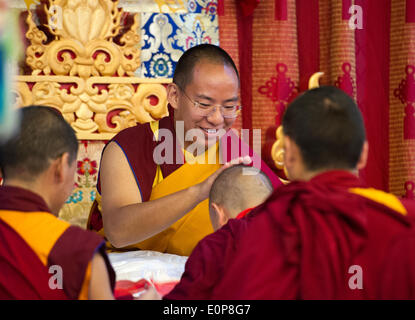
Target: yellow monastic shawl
[(183, 235)]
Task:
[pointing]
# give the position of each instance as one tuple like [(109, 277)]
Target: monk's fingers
[(247, 160), (206, 185), (241, 160)]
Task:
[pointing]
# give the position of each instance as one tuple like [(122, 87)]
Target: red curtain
[(364, 47)]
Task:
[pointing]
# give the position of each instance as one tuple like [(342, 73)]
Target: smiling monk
[(158, 201)]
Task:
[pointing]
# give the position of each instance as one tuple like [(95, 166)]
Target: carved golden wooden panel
[(96, 113), (85, 73)]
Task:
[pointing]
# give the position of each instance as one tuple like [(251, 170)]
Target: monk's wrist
[(196, 192)]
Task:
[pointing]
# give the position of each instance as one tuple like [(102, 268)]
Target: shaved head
[(207, 53), (328, 127), (238, 188)]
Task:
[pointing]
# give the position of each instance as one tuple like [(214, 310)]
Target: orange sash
[(41, 231)]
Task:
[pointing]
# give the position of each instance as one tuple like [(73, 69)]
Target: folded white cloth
[(150, 265)]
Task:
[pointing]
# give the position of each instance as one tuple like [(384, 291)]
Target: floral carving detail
[(86, 70), (87, 167), (98, 105), (83, 44)]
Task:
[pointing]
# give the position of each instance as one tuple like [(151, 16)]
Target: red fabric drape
[(281, 9), (372, 82), (308, 40), (410, 11), (364, 47), (245, 17)]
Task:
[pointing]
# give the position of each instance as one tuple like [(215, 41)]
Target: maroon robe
[(23, 275), (303, 243)]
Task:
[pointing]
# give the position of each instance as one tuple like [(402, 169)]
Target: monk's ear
[(363, 156), (60, 167), (173, 95), (221, 217), (290, 156), (293, 160)]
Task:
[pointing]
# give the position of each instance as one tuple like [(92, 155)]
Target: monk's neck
[(308, 175), (36, 186)]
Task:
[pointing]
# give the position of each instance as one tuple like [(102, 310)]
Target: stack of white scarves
[(150, 265)]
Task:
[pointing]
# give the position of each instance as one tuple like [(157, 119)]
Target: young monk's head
[(41, 156), (323, 130), (236, 189), (205, 93)]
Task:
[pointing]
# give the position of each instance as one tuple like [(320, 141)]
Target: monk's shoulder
[(219, 238), (139, 134), (76, 243), (73, 253)]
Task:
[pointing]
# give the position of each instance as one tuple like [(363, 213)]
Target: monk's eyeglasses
[(205, 109)]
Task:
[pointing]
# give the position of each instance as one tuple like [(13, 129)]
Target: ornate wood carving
[(86, 71)]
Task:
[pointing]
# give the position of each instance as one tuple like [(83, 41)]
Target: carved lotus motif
[(85, 20), (83, 45)]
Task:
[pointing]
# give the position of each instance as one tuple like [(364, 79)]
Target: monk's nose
[(216, 116)]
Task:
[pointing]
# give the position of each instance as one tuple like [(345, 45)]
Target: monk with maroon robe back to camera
[(42, 257), (325, 235)]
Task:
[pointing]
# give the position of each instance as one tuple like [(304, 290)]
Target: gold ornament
[(87, 75), (277, 150)]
